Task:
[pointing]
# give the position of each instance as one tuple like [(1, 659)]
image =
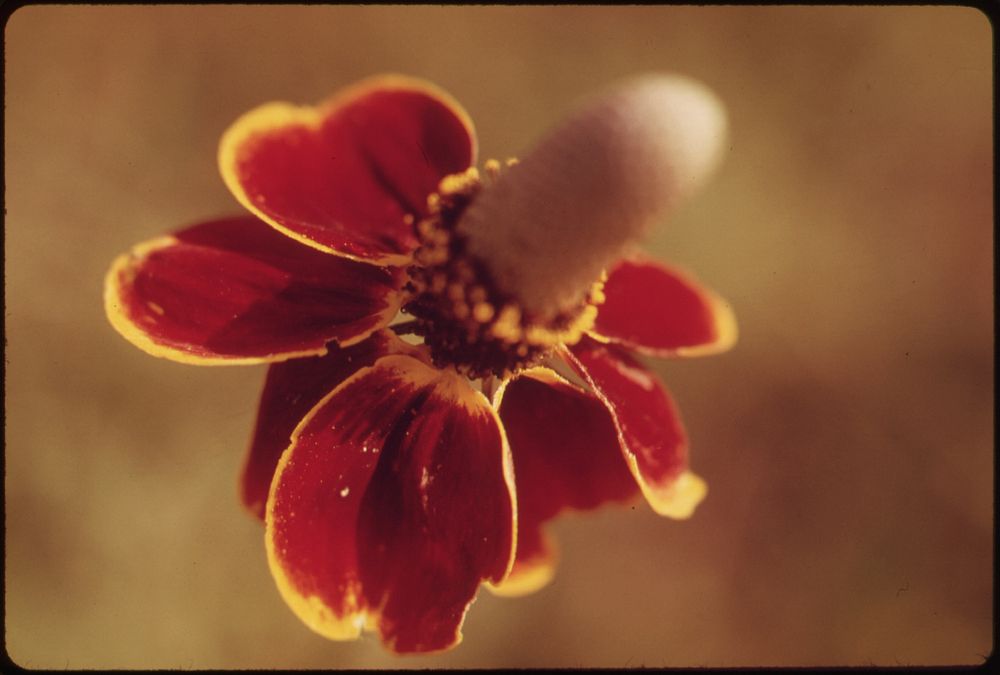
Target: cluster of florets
[(465, 319)]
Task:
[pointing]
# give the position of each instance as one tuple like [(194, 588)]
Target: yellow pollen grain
[(508, 325), (492, 168), (569, 335), (509, 328), (597, 296), (483, 312), (459, 182)]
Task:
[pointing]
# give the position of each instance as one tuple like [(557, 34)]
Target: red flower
[(395, 475)]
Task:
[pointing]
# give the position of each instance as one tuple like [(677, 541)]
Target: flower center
[(465, 319)]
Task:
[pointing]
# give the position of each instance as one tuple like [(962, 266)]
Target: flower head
[(448, 349)]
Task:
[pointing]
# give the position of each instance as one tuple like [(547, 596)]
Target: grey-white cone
[(549, 225)]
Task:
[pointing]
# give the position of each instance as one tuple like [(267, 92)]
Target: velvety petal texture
[(292, 388), (386, 483), (649, 427), (350, 175), (661, 311), (393, 503), (237, 291), (566, 456)]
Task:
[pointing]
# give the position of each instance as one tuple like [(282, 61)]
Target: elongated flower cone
[(622, 161)]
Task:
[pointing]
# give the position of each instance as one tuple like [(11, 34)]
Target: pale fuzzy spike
[(550, 224)]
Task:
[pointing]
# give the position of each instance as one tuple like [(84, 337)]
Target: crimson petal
[(390, 507), (649, 427), (291, 389), (348, 176), (237, 291), (566, 456), (662, 311)]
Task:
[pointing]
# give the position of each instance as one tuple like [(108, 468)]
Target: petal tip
[(309, 608), (120, 274), (534, 576), (726, 330), (663, 311), (679, 499)]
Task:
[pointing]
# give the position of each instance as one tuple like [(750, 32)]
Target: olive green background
[(847, 440)]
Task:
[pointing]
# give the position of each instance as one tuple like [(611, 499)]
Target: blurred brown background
[(847, 440)]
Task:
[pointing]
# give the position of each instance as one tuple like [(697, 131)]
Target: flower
[(449, 354)]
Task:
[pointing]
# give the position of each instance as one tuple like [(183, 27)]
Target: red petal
[(566, 456), (649, 427), (662, 311), (291, 390), (393, 503), (237, 291), (344, 176)]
